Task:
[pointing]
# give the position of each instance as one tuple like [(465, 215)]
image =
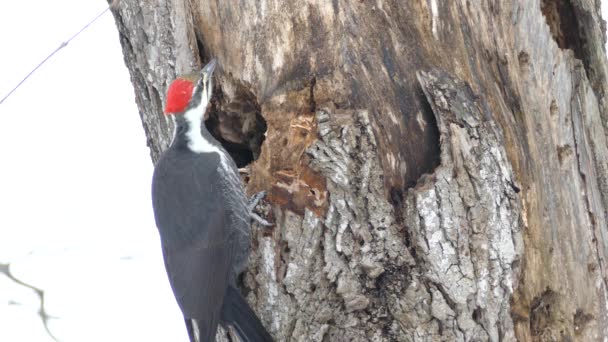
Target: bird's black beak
[(204, 86), (209, 68)]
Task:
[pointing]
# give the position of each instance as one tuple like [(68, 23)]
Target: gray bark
[(436, 170)]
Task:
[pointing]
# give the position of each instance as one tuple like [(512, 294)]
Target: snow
[(76, 217)]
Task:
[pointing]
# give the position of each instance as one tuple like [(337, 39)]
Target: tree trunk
[(436, 170)]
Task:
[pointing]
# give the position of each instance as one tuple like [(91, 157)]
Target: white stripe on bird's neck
[(194, 116)]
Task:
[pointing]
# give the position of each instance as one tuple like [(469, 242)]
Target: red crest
[(178, 96)]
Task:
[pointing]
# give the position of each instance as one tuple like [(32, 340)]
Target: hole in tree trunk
[(433, 156), (563, 21), (235, 122), (238, 125)]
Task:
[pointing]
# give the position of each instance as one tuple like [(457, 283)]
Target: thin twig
[(61, 46), (6, 270)]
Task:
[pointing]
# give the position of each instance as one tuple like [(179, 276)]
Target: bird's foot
[(255, 199), (260, 220), (253, 202)]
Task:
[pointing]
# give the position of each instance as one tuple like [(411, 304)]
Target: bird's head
[(190, 91)]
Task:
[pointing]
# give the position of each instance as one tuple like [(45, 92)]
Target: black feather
[(237, 313)]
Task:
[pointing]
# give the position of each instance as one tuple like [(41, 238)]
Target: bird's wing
[(196, 244), (198, 276), (198, 273)]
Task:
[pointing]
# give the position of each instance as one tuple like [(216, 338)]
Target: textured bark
[(436, 170)]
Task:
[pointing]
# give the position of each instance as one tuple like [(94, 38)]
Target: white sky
[(75, 209)]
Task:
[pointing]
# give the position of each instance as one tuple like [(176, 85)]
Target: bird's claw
[(260, 220), (253, 202), (255, 199)]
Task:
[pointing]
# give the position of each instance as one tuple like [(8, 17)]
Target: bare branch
[(61, 46), (5, 269)]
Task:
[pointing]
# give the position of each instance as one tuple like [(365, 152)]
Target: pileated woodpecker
[(203, 216)]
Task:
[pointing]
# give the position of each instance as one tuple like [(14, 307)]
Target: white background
[(75, 211)]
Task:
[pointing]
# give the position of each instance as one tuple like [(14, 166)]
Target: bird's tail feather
[(190, 329), (237, 312), (201, 331)]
